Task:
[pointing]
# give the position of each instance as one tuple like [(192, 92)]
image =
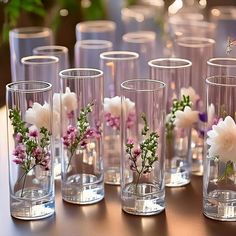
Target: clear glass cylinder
[(22, 42), (117, 66), (143, 146), (30, 149), (87, 52), (60, 52), (198, 51), (100, 29), (81, 123), (42, 68), (175, 73), (221, 66), (144, 43), (219, 188)]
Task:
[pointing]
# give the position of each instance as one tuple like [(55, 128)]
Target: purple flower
[(19, 152), (137, 152), (112, 121), (37, 153), (130, 141), (202, 116), (130, 120), (19, 137), (33, 133)]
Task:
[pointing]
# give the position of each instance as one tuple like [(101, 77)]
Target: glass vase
[(221, 66), (60, 52), (30, 149), (175, 73), (117, 66), (22, 42), (143, 146), (219, 180), (81, 123), (96, 29), (87, 52), (198, 51), (41, 68), (144, 43)]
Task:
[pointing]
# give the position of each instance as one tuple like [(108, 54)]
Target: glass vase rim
[(10, 86), (66, 76), (28, 32), (210, 62), (59, 49), (51, 60), (209, 82), (138, 11), (187, 64), (203, 42), (139, 36), (143, 80), (94, 43), (96, 26), (186, 16), (131, 55)]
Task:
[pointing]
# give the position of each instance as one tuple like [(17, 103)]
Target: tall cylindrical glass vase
[(81, 124), (142, 162), (30, 149), (219, 182)]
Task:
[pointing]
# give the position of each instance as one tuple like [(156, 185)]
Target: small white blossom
[(222, 140), (186, 118), (113, 106), (191, 93), (39, 115), (69, 100)]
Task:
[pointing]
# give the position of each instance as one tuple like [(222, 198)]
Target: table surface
[(182, 217)]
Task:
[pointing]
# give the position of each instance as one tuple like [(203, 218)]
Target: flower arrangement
[(143, 157), (33, 143), (181, 114), (78, 136), (222, 141), (112, 109)]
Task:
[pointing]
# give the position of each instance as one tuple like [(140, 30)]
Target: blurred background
[(63, 15)]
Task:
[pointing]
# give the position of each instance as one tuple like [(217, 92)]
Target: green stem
[(22, 190), (137, 181)]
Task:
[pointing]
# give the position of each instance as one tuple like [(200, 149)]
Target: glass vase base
[(174, 178), (148, 201), (32, 209), (112, 176), (83, 189), (220, 205)]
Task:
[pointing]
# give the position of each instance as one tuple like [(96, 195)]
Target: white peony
[(69, 100), (222, 140), (39, 115), (185, 119), (113, 106), (189, 92)]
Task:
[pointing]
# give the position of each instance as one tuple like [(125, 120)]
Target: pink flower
[(19, 137), (137, 152), (33, 132), (130, 141)]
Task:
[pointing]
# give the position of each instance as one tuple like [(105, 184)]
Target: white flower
[(222, 140), (69, 100), (189, 92), (185, 119), (113, 106), (39, 115)]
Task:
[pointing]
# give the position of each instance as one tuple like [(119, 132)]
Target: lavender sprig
[(178, 105), (32, 148), (78, 136), (146, 151)]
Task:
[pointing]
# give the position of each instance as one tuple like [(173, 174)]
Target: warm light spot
[(85, 3), (215, 12), (64, 12), (203, 3)]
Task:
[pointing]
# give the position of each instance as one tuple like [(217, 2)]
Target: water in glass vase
[(219, 200), (142, 199)]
